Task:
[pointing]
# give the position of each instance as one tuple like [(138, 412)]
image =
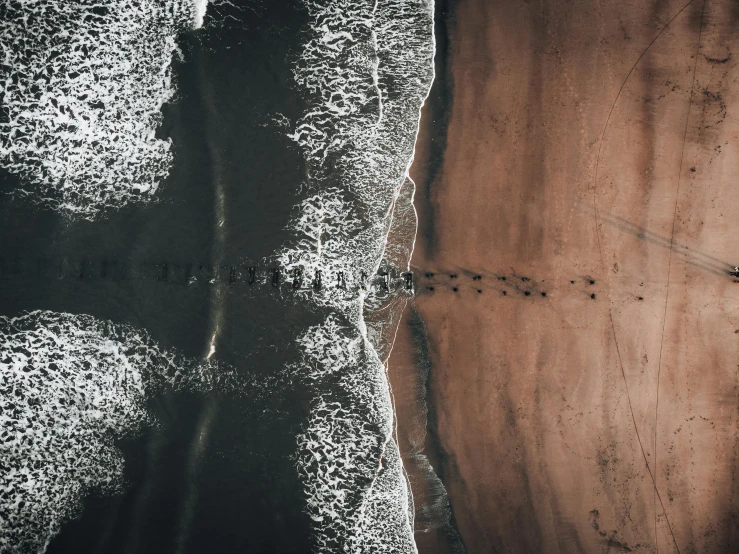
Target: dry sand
[(592, 155)]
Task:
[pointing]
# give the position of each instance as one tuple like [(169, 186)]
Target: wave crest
[(69, 386), (81, 88)]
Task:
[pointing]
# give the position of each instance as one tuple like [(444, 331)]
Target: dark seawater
[(237, 488), (245, 414)]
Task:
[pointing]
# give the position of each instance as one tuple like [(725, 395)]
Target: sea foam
[(69, 386), (365, 70), (82, 85)]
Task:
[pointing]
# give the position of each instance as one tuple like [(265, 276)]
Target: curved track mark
[(669, 264), (600, 251)]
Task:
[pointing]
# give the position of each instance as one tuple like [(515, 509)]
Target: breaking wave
[(70, 385), (80, 133), (366, 69), (82, 85)]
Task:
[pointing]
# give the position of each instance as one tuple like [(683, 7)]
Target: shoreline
[(541, 417), (420, 455)]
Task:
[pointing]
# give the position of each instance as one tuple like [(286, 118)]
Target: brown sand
[(556, 415)]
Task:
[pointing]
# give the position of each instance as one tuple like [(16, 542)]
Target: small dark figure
[(408, 281), (342, 281), (232, 276), (252, 275), (297, 278), (385, 281), (276, 277), (735, 273), (364, 280), (317, 281)]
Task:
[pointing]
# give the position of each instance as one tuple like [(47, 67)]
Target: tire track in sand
[(600, 252)]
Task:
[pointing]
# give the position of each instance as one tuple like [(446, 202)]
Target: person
[(409, 281)]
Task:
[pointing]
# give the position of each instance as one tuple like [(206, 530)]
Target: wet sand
[(580, 183)]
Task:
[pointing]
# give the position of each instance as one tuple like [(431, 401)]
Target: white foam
[(200, 8), (82, 87), (366, 69), (69, 386)]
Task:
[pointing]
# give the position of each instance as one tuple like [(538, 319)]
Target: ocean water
[(151, 153), (83, 85)]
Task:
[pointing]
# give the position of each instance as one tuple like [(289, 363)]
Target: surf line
[(407, 268)]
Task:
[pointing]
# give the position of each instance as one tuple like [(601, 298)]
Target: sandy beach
[(568, 369)]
